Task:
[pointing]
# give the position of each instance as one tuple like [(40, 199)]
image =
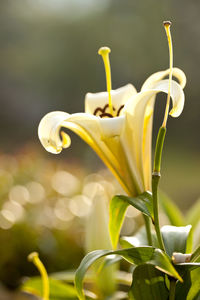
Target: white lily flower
[(121, 135)]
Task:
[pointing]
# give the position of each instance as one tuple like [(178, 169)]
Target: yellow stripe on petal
[(146, 145), (112, 162), (66, 140)]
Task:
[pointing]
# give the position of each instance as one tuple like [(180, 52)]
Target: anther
[(167, 23)]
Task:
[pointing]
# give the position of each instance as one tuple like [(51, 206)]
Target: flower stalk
[(172, 289), (160, 142), (155, 181)]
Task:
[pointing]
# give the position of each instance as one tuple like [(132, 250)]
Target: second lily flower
[(117, 124)]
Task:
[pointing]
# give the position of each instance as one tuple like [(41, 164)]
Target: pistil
[(167, 25), (34, 257), (104, 52)]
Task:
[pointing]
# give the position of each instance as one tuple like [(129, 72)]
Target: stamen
[(104, 52), (119, 110), (167, 25), (106, 115), (102, 111), (34, 257)]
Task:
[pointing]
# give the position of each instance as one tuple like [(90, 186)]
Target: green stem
[(155, 181), (172, 289), (148, 229), (158, 150)]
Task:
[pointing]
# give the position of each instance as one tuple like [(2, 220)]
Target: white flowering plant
[(117, 124)]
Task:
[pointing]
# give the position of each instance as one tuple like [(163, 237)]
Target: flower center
[(102, 112)]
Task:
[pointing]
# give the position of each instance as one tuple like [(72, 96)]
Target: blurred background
[(49, 61)]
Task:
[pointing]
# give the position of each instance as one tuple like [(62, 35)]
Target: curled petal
[(119, 97), (156, 77), (177, 95), (49, 132), (101, 134), (139, 116)]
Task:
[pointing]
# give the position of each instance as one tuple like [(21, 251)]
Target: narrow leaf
[(182, 288), (194, 292), (190, 288), (196, 254), (184, 267), (118, 208), (135, 256), (193, 214), (58, 289), (148, 283), (138, 240), (171, 210)]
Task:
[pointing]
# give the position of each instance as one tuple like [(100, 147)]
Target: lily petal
[(177, 95), (111, 127), (119, 97), (49, 131), (154, 78), (139, 114), (101, 134), (123, 142)]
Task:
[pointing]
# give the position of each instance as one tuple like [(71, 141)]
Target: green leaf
[(194, 292), (193, 215), (190, 288), (184, 267), (118, 206), (111, 260), (182, 288), (196, 255), (171, 210), (58, 290), (189, 243), (138, 240), (148, 283), (135, 256), (67, 276), (175, 238)]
